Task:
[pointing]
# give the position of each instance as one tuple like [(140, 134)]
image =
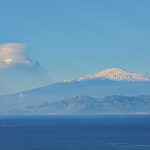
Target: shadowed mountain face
[(106, 83), (90, 105)]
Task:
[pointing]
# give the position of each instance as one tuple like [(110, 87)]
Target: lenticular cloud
[(18, 71), (12, 54)]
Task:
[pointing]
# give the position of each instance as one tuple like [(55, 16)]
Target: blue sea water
[(103, 132)]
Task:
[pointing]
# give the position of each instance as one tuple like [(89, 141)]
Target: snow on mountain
[(101, 84), (115, 74)]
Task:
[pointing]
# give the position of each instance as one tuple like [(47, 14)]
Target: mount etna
[(109, 91)]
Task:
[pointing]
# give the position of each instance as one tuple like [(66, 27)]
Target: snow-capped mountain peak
[(116, 74)]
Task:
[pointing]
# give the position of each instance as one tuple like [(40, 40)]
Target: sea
[(75, 132)]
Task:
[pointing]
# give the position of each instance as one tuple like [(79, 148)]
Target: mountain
[(108, 82), (115, 74), (90, 105)]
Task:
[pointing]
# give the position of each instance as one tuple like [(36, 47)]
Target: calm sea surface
[(104, 132)]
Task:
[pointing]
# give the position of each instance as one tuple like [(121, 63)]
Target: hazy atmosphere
[(75, 75), (59, 40)]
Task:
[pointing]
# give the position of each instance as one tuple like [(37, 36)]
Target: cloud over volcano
[(18, 71)]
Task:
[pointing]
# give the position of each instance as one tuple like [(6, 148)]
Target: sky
[(46, 41)]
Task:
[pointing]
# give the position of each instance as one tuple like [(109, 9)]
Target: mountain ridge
[(115, 74), (95, 87), (91, 105)]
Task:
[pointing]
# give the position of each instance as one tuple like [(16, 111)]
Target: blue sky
[(71, 38)]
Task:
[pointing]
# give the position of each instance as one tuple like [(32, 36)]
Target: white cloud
[(18, 71), (12, 54)]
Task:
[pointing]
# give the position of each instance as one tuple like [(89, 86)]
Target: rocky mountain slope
[(90, 105)]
